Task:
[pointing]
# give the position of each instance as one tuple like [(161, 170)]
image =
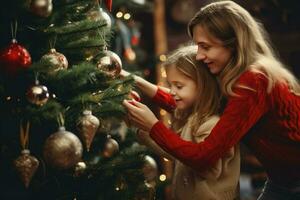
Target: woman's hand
[(140, 115)]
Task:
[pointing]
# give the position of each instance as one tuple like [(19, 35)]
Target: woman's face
[(211, 50)]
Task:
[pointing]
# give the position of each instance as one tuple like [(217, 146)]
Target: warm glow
[(119, 14), (162, 177), (127, 16), (162, 57)]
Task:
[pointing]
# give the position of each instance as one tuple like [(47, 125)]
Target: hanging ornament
[(79, 169), (87, 126), (26, 164), (37, 94), (111, 147), (108, 4), (145, 191), (56, 61), (105, 17), (14, 58), (110, 64), (42, 8), (150, 170), (63, 149)]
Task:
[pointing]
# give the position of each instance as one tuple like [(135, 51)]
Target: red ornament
[(108, 4), (14, 58)]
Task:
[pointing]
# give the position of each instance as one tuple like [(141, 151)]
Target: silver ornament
[(42, 8), (37, 94), (63, 149), (56, 60), (110, 64)]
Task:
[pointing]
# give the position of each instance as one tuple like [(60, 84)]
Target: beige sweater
[(218, 183)]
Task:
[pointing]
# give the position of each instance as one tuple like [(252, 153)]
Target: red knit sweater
[(269, 123)]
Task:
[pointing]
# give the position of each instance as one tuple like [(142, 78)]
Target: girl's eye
[(179, 86), (205, 47)]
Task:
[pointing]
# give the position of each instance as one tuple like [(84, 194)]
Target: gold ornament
[(63, 149), (150, 170), (145, 191), (111, 147), (26, 166), (56, 60), (42, 8), (110, 64), (87, 126), (37, 94), (80, 168)]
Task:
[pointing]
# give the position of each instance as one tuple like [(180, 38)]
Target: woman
[(263, 102)]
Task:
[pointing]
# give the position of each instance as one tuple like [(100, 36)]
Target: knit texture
[(269, 124)]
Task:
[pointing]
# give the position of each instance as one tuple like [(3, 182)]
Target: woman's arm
[(145, 139)]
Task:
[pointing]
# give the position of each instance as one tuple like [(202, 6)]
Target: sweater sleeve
[(241, 113), (164, 100)]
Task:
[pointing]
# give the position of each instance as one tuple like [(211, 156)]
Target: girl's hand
[(124, 73), (140, 115)]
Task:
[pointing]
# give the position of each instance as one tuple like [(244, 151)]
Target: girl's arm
[(160, 95), (241, 113)]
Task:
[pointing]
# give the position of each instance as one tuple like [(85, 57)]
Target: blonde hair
[(208, 93), (249, 42)]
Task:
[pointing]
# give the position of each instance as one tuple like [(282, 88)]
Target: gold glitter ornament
[(63, 149), (56, 60), (111, 147), (87, 126), (26, 166), (110, 63)]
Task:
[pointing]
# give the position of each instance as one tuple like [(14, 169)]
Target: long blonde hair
[(208, 93), (248, 40)]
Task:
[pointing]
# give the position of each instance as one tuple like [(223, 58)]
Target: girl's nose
[(200, 56), (172, 93)]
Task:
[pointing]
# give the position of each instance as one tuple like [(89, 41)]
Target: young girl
[(263, 102), (197, 99)]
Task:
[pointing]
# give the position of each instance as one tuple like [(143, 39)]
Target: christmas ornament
[(87, 126), (63, 149), (105, 17), (42, 8), (79, 169), (145, 191), (14, 58), (37, 94), (110, 64), (111, 147), (56, 61), (150, 170), (108, 4), (26, 166)]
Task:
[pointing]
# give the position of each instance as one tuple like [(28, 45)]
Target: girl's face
[(183, 88), (211, 50)]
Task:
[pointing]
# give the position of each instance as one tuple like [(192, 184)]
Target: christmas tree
[(61, 130)]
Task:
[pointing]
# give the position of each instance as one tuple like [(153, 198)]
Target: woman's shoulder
[(252, 78)]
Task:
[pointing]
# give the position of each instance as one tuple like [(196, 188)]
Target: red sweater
[(269, 123)]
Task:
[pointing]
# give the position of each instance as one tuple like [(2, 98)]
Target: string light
[(162, 177), (162, 57), (119, 14), (127, 16)]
